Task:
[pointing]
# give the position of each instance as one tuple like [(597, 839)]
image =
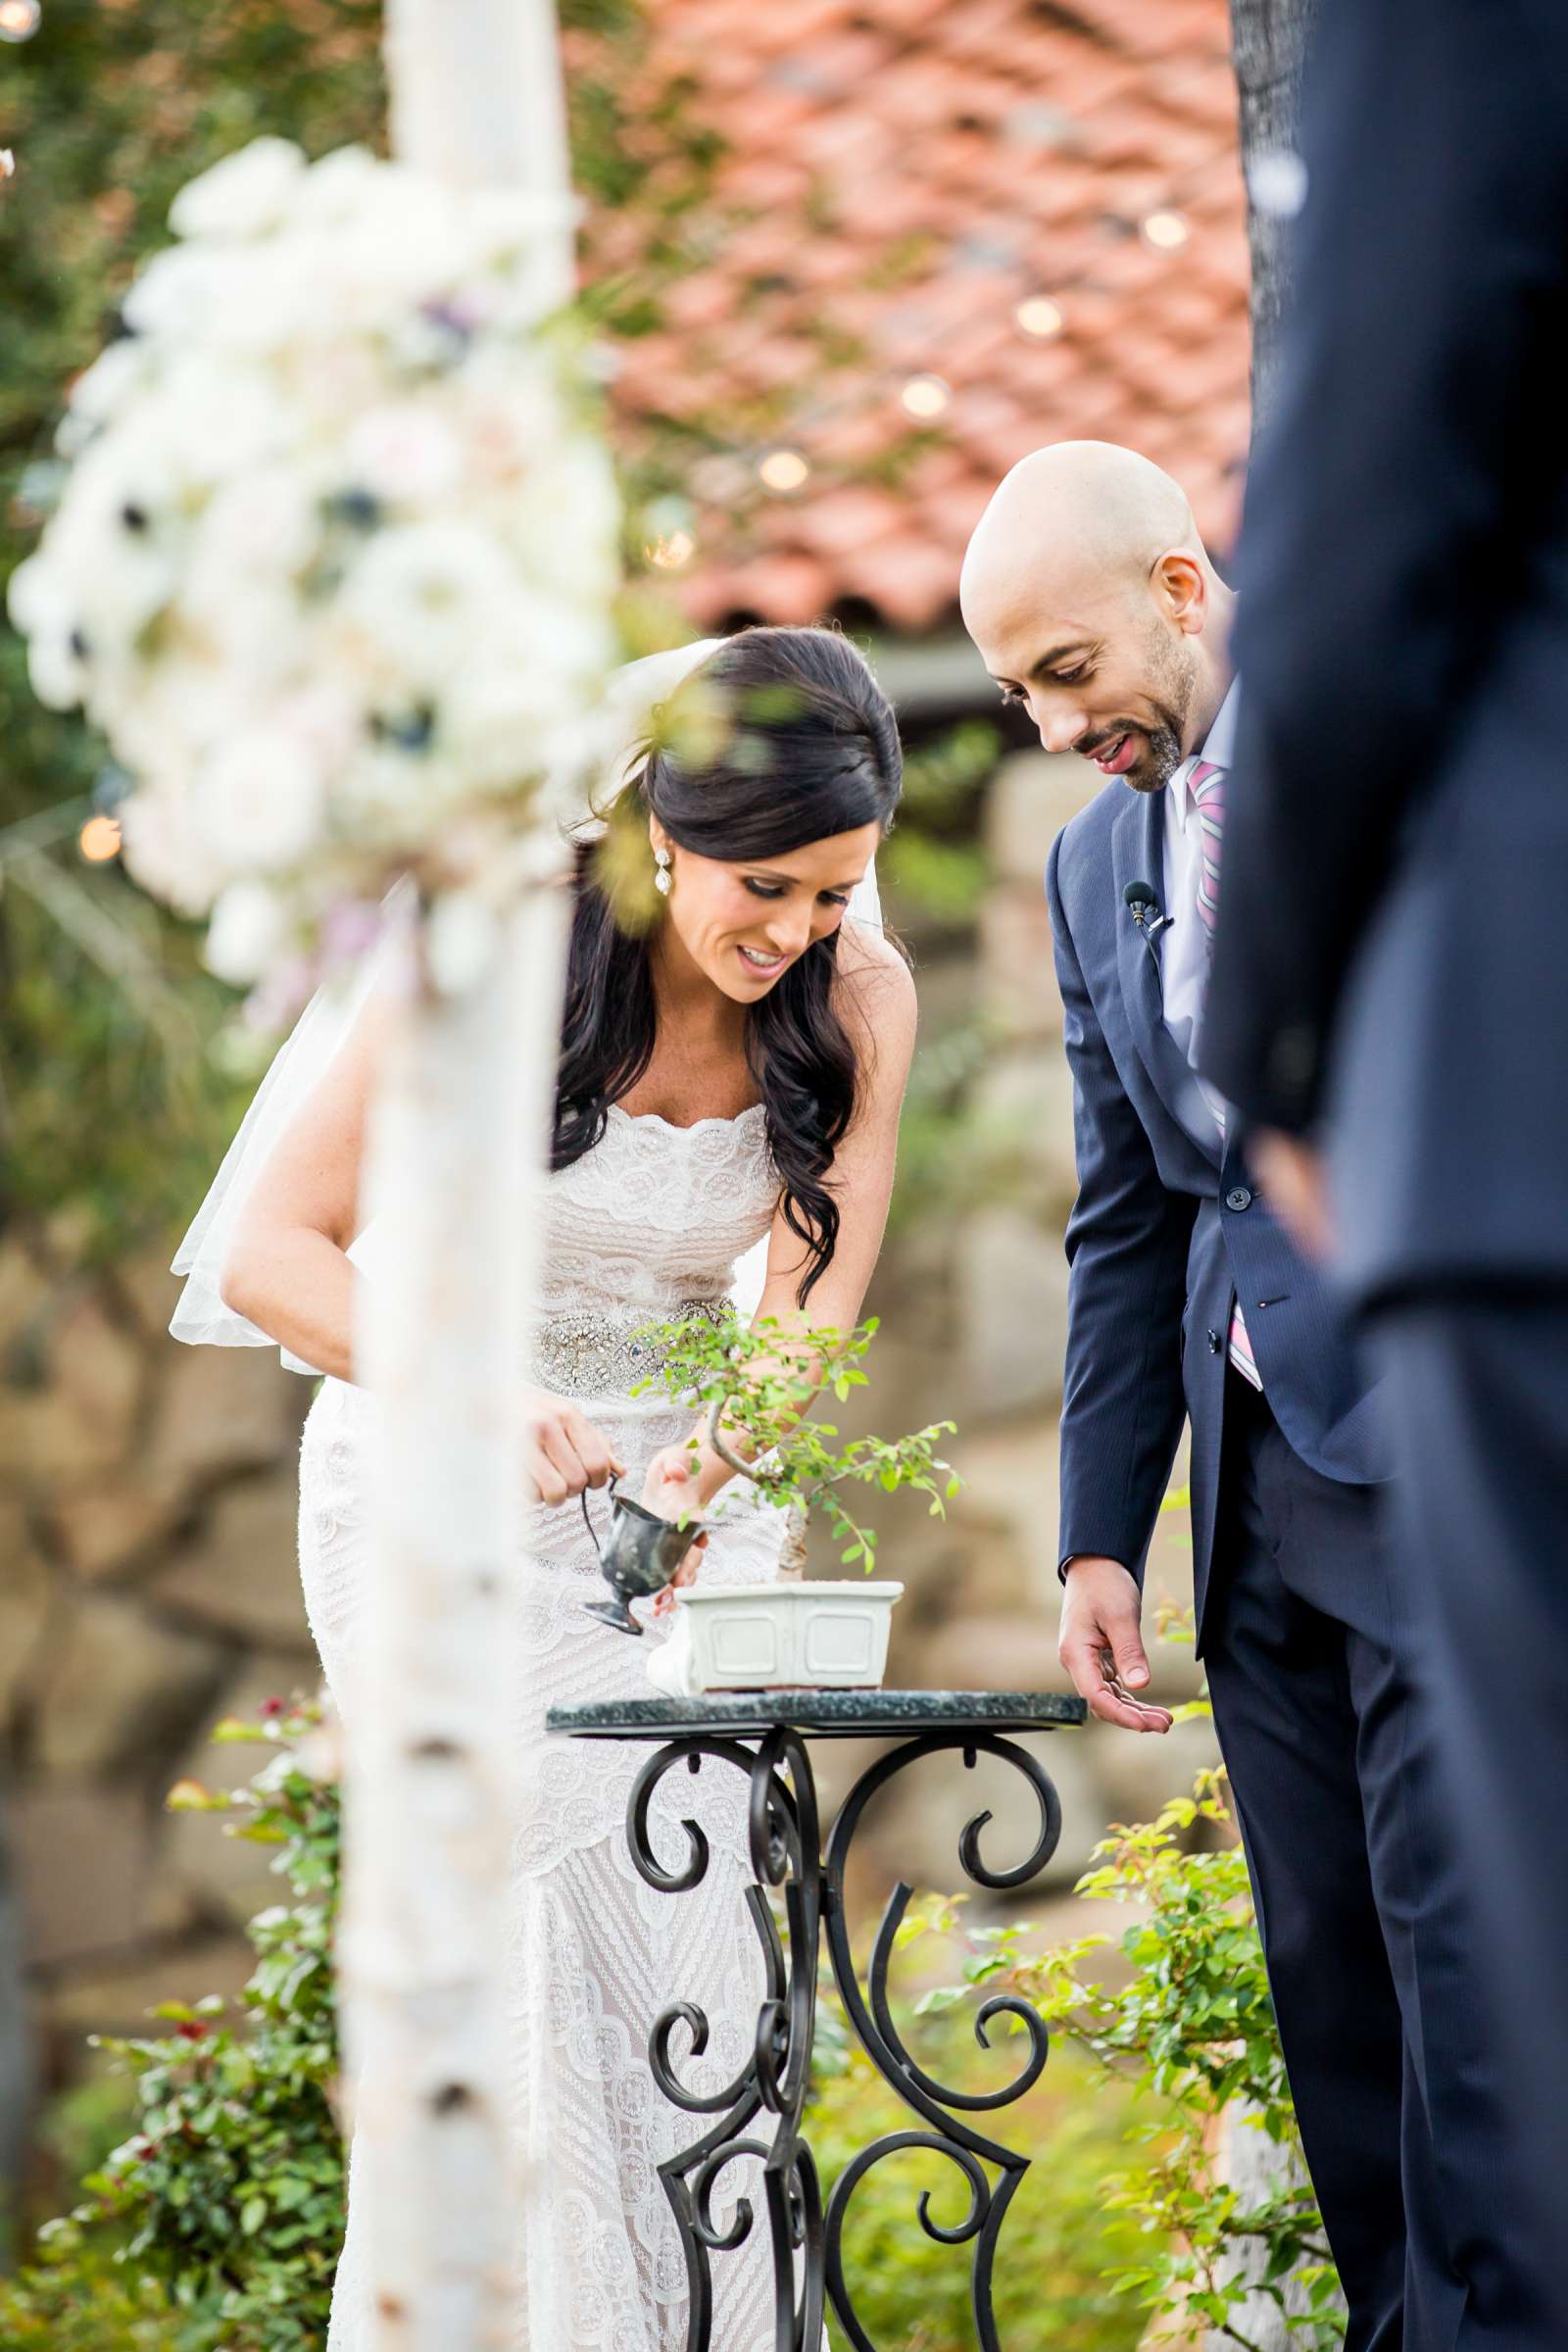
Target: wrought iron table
[(787, 1857)]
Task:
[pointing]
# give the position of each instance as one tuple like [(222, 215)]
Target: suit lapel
[(1138, 854)]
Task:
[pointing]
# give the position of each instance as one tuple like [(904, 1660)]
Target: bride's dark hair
[(805, 746)]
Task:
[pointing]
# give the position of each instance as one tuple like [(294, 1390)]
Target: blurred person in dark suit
[(1096, 607), (1390, 973)]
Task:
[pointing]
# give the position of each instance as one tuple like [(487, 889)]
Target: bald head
[(1086, 569), (1078, 510)]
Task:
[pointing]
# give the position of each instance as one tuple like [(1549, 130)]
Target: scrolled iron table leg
[(786, 1860), (758, 2115), (940, 2108)]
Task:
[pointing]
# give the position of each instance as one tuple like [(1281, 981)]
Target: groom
[(1095, 606)]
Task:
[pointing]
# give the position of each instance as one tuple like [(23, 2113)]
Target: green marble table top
[(821, 1714)]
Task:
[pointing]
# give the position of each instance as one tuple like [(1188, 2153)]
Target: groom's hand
[(1102, 1648)]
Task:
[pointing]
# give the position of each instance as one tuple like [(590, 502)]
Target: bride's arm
[(287, 1270), (877, 1005)]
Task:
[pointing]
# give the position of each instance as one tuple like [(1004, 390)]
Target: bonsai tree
[(759, 1383)]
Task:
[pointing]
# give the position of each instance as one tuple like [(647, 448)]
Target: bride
[(730, 1073)]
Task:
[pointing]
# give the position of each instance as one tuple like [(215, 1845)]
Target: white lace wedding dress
[(646, 1227)]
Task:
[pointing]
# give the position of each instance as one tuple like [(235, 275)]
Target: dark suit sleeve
[(1393, 499), (1122, 1401)]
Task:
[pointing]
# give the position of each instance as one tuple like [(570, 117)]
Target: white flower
[(35, 598), (340, 188), (156, 845), (110, 570), (164, 719), (243, 196), (405, 454), (177, 291), (249, 931), (214, 420), (259, 802), (420, 595), (267, 521), (312, 688), (58, 676), (103, 390)]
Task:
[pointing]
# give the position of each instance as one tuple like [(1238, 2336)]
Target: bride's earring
[(661, 877)]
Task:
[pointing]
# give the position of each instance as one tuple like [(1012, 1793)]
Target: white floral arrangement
[(335, 556)]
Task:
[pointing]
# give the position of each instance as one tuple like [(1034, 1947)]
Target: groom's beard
[(1161, 756), (1169, 685)]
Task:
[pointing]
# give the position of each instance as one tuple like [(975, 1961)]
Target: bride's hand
[(670, 1490), (562, 1450)]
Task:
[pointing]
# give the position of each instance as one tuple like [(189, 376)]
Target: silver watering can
[(637, 1558)]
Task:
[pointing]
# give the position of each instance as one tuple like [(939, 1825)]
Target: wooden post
[(456, 1154)]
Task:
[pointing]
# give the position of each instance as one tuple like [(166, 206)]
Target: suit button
[(1214, 1342), (1239, 1197)]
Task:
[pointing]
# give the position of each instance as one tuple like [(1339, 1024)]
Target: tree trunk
[(1268, 41), (457, 1157), (476, 97)]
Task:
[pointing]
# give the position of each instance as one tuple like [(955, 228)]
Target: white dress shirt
[(1184, 947)]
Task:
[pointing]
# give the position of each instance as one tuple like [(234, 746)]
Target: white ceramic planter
[(819, 1636)]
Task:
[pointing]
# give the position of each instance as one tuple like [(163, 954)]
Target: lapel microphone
[(1144, 906)]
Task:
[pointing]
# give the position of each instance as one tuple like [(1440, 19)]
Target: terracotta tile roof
[(901, 176)]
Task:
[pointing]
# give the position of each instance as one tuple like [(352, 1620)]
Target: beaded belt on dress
[(594, 1352)]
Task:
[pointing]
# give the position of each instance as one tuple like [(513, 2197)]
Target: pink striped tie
[(1206, 784)]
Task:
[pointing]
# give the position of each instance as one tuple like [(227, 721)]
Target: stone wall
[(148, 1587), (147, 1559)]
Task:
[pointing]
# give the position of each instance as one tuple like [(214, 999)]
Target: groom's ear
[(1180, 587)]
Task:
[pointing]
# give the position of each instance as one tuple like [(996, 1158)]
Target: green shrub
[(1187, 2026), (1052, 2281), (215, 2225), (77, 2296)]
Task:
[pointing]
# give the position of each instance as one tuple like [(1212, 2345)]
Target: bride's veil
[(201, 1318)]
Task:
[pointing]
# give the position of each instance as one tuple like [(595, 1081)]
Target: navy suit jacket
[(1165, 1234), (1391, 947)]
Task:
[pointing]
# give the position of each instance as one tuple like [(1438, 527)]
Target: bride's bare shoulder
[(876, 987), (864, 949)]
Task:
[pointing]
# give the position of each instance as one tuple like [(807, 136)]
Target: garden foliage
[(1185, 2024), (214, 2225), (757, 1382)]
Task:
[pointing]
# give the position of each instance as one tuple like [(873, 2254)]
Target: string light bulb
[(1038, 317), (19, 19), (8, 163), (99, 839), (926, 396), (673, 551), (1166, 231), (783, 469)]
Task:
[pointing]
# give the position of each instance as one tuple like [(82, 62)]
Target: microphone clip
[(1143, 906)]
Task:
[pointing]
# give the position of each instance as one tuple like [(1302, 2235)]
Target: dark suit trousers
[(1305, 1670), (1477, 1384)]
